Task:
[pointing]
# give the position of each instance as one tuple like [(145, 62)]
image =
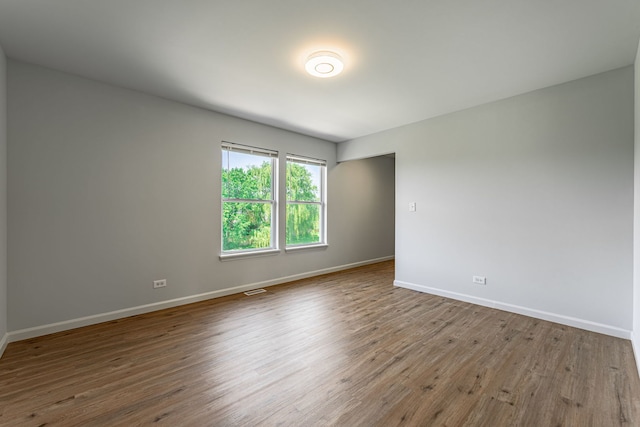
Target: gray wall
[(365, 203), (636, 217), (534, 192), (3, 197), (110, 189)]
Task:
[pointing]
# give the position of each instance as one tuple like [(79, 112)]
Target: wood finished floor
[(345, 349)]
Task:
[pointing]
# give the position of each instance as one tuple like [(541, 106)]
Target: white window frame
[(273, 248), (322, 203)]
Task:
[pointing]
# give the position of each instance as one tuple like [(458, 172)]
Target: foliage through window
[(305, 201), (248, 198)]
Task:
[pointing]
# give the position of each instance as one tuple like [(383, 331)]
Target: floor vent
[(254, 292)]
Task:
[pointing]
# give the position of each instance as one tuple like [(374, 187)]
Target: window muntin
[(306, 208), (248, 198)]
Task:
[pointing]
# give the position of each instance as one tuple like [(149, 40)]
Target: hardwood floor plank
[(343, 349)]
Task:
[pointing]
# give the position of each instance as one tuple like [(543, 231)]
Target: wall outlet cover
[(480, 280), (159, 283)]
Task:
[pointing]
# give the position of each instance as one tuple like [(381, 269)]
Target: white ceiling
[(406, 60)]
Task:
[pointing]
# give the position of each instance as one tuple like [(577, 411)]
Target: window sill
[(248, 254), (306, 247)]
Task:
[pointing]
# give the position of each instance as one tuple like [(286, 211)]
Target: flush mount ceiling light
[(324, 64)]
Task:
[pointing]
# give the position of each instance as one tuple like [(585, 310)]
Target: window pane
[(303, 224), (246, 176), (303, 182), (246, 225)]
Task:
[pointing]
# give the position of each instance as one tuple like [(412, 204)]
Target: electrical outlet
[(480, 280), (159, 283)]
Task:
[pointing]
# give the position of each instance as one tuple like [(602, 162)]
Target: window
[(248, 198), (306, 206)]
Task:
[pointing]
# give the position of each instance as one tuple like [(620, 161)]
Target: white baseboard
[(636, 349), (51, 328), (3, 344), (538, 314)]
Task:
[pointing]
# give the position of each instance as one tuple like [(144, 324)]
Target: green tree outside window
[(247, 200), (305, 204), (249, 204)]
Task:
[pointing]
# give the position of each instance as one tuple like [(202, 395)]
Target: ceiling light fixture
[(324, 64)]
